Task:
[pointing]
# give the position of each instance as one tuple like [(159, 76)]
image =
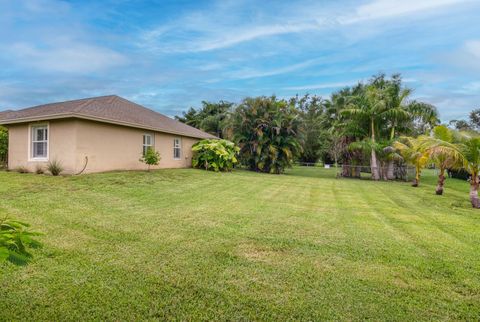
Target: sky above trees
[(170, 55)]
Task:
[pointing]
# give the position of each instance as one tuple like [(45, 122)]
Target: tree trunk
[(441, 181), (390, 170), (474, 191), (416, 181), (373, 160), (374, 166)]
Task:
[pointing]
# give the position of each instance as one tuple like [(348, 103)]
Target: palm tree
[(413, 152), (443, 152), (471, 153), (368, 106), (267, 130)]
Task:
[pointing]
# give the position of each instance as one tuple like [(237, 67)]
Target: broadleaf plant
[(15, 239), (215, 155)]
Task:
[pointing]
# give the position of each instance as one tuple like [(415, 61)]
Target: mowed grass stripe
[(193, 245)]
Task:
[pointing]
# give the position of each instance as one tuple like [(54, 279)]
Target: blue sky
[(170, 55)]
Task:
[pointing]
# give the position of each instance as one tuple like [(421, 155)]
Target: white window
[(147, 142), (39, 139), (177, 148)]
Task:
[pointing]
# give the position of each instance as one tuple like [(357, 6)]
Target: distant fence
[(394, 172)]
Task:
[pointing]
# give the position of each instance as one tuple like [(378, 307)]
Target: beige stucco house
[(96, 134)]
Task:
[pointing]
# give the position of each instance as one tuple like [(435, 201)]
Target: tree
[(413, 152), (377, 113), (368, 106), (210, 118), (423, 118), (315, 138), (475, 119), (471, 154), (267, 131), (151, 157), (460, 125), (191, 117), (443, 152)]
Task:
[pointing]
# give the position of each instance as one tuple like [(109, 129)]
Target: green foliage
[(267, 131), (216, 155), (15, 238), (474, 118), (210, 118), (3, 145), (54, 167), (151, 157), (315, 137), (443, 133)]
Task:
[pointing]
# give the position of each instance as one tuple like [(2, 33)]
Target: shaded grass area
[(188, 244)]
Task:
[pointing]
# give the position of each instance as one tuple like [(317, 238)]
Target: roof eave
[(98, 119)]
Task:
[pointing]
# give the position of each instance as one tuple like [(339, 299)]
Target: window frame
[(31, 131), (146, 146), (179, 147)]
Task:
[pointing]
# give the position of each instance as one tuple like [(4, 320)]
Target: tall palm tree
[(368, 106), (443, 152), (414, 153), (471, 153)]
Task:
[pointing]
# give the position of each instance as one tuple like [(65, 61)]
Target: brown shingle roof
[(110, 109)]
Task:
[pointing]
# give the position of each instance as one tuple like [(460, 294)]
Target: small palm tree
[(413, 152), (471, 153), (443, 152)]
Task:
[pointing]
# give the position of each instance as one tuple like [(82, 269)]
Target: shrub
[(21, 169), (14, 240), (267, 131), (151, 157), (39, 169), (214, 154), (54, 167)]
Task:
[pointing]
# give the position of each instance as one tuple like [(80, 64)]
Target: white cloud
[(380, 9), (321, 86), (66, 57), (201, 31), (254, 73), (473, 47), (466, 57)]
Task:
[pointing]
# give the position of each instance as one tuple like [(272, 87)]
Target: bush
[(267, 131), (214, 154), (39, 169), (54, 167), (151, 157), (21, 169), (14, 240)]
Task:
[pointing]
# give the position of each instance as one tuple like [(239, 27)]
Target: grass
[(195, 245)]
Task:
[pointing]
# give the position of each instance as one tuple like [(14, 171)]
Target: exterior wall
[(108, 147), (111, 147), (61, 145)]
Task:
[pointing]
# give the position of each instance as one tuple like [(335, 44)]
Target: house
[(96, 134)]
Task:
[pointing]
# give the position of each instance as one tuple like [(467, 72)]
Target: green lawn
[(194, 245)]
